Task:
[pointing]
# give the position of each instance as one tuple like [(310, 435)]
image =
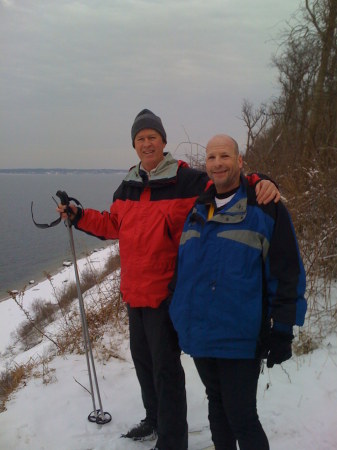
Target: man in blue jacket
[(239, 291)]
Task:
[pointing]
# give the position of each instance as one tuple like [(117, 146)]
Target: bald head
[(223, 141), (223, 162)]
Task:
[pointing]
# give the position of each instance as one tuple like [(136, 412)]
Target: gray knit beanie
[(146, 119)]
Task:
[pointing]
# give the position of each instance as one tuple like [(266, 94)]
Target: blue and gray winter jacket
[(237, 272)]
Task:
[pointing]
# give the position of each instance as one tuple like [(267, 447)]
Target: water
[(27, 251)]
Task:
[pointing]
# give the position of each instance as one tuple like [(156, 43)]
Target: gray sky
[(74, 74)]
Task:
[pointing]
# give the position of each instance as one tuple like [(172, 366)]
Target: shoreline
[(37, 280), (54, 270), (27, 252)]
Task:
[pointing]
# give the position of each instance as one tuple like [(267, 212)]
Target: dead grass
[(305, 343), (11, 380), (43, 312)]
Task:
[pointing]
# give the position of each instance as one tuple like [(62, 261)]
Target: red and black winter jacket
[(147, 216)]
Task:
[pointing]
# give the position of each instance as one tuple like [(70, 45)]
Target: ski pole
[(97, 415)]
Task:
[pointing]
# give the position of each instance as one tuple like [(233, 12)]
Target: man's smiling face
[(149, 146), (223, 163)]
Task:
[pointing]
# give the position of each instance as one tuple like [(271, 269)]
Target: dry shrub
[(44, 312), (104, 311), (31, 332), (11, 379), (44, 371), (66, 296), (112, 264), (103, 305), (309, 189), (28, 335), (89, 278), (306, 343), (312, 202), (191, 152), (14, 377)]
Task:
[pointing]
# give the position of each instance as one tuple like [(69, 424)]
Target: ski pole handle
[(65, 200), (63, 196)]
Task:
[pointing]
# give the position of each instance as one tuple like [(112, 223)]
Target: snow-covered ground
[(297, 401)]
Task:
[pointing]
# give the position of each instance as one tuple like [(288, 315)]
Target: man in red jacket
[(147, 216)]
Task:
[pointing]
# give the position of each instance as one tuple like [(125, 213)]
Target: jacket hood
[(166, 170)]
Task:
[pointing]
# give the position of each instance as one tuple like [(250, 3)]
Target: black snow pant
[(231, 388), (156, 356)]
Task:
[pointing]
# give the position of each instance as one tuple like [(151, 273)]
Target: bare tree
[(297, 146), (306, 110), (256, 121), (322, 15)]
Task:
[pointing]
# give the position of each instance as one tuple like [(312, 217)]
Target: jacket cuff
[(78, 216)]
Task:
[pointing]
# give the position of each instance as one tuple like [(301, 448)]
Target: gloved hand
[(279, 348)]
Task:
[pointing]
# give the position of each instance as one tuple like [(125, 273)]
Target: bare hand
[(266, 191), (62, 210)]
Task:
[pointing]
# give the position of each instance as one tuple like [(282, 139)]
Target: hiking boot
[(144, 431)]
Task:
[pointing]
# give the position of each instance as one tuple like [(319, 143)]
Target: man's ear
[(240, 161)]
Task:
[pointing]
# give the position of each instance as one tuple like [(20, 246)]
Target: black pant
[(156, 356), (231, 387)]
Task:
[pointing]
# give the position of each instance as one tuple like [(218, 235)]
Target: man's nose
[(146, 142)]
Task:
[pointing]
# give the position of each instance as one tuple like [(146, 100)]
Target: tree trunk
[(328, 54)]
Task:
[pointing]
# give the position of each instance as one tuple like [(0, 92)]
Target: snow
[(297, 402)]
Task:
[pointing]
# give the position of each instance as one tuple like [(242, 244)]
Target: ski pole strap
[(65, 200)]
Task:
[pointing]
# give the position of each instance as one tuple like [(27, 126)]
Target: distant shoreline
[(54, 269)]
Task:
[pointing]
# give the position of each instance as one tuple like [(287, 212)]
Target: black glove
[(279, 348)]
